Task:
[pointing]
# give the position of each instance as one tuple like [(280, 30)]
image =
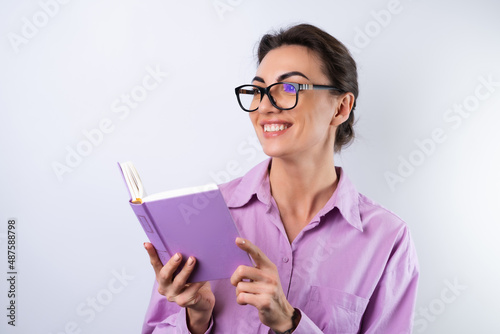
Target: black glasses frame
[(265, 91)]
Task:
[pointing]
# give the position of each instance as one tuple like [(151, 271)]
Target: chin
[(275, 152), (273, 148)]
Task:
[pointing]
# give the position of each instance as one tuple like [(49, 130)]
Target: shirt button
[(285, 259)]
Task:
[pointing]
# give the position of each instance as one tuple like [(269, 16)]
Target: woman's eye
[(289, 88)]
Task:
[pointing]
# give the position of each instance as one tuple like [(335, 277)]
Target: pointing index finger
[(260, 259)]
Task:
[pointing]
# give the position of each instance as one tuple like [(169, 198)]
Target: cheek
[(319, 110), (325, 113), (318, 124), (320, 117)]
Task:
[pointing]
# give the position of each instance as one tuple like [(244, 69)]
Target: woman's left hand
[(260, 286)]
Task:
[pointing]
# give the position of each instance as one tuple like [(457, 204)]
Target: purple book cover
[(198, 225)]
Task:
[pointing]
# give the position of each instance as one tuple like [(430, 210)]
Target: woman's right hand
[(197, 298)]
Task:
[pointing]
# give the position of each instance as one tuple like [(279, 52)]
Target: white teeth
[(274, 127)]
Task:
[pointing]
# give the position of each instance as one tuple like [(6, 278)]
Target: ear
[(343, 108)]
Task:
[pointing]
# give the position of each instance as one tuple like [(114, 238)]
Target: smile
[(275, 127)]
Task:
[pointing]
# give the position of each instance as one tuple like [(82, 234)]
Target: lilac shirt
[(352, 269)]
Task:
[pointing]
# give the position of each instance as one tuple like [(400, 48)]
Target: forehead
[(289, 58)]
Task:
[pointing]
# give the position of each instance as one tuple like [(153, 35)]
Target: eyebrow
[(282, 76)]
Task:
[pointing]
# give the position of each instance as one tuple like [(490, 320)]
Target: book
[(191, 221)]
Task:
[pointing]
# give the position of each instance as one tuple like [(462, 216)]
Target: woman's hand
[(197, 298), (261, 287)]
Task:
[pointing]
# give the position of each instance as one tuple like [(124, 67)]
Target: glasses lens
[(284, 95), (249, 97)]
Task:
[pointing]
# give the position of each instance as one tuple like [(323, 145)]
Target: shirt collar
[(256, 182)]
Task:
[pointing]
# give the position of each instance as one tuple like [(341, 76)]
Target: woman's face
[(307, 128)]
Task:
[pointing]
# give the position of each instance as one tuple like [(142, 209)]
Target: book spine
[(149, 226)]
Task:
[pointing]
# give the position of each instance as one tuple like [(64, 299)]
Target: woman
[(328, 260)]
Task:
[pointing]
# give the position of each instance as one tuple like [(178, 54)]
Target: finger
[(245, 272), (153, 257), (260, 259), (194, 287), (248, 298), (189, 295), (255, 288), (181, 278), (166, 273)]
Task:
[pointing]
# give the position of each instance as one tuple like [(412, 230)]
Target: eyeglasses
[(283, 95)]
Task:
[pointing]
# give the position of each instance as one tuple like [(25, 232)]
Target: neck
[(301, 187)]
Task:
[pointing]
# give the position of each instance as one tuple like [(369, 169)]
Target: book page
[(180, 192)]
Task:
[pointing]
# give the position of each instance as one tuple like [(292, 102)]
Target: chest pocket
[(335, 311)]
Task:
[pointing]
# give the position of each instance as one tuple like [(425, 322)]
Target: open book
[(192, 221)]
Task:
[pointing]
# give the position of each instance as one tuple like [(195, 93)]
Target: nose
[(266, 106)]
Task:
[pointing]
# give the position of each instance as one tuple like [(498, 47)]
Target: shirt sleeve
[(391, 306), (306, 326), (164, 317)]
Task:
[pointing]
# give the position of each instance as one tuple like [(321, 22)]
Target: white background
[(76, 232)]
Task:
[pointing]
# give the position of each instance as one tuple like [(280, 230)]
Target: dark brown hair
[(337, 64)]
